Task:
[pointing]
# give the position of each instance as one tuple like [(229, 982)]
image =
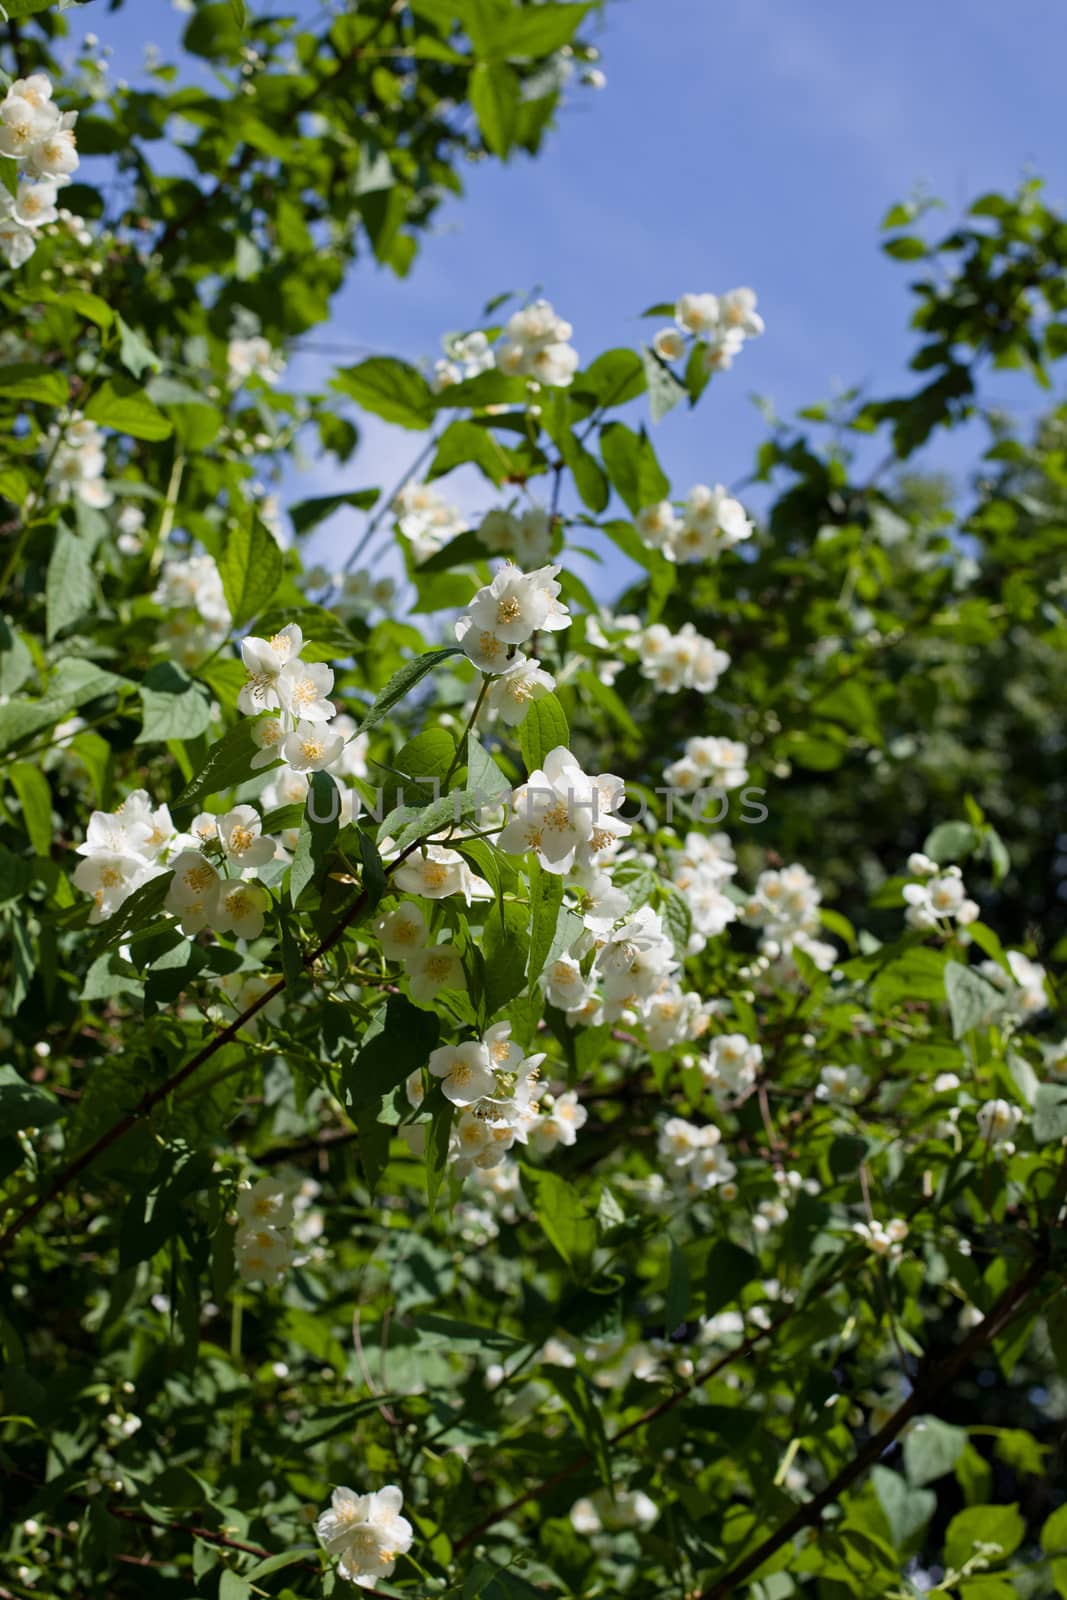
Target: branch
[(1006, 1309)]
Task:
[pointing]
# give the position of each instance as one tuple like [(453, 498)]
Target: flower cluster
[(694, 1156), (535, 345), (682, 660), (710, 521), (709, 763), (700, 870), (502, 616), (198, 618), (466, 356), (264, 1247), (940, 899), (525, 538), (426, 519), (785, 907), (495, 1087), (719, 323), (124, 849), (76, 462), (35, 133), (366, 1533), (254, 357)]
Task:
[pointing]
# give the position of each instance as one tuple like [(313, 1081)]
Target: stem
[(471, 720)]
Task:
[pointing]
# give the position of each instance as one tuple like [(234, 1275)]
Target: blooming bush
[(452, 1143)]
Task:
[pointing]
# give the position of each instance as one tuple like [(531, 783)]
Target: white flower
[(425, 519), (564, 985), (267, 1203), (560, 1125), (514, 691), (35, 204), (401, 932), (697, 313), (737, 310), (312, 747), (842, 1083), (193, 891), (302, 687), (658, 524), (559, 809), (535, 345), (509, 610), (731, 1065), (264, 660), (262, 1254), (709, 763), (883, 1239), (669, 344), (253, 357), (997, 1121), (56, 155), (436, 967), (352, 762), (17, 243), (239, 909), (436, 872), (110, 876), (365, 1532), (721, 348), (240, 832), (464, 1069), (714, 521), (268, 734), (942, 897), (684, 660)]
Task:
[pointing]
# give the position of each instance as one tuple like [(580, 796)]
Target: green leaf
[(544, 727), (228, 763), (1000, 1525), (1050, 1113), (631, 465), (23, 381), (972, 999), (174, 706), (74, 683), (546, 898), (613, 378), (484, 777), (729, 1268), (568, 1224), (121, 404), (676, 1306), (69, 585), (24, 1105), (9, 175), (1054, 1544), (391, 389), (494, 95), (397, 1042), (251, 569), (307, 514), (35, 798), (504, 950), (525, 33), (465, 550), (136, 356), (664, 389), (318, 830), (951, 841), (137, 911), (402, 682), (931, 1448), (906, 1510), (579, 1402)]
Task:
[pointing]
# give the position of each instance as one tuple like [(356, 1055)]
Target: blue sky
[(737, 141)]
